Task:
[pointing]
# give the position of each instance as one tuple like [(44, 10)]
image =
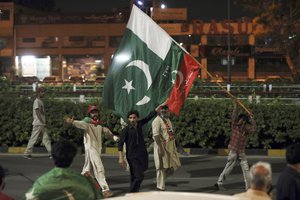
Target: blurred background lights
[(140, 3)]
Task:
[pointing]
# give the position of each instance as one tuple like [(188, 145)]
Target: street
[(198, 173)]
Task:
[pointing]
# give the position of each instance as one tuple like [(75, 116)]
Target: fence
[(262, 92)]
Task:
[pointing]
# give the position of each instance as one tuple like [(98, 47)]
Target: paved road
[(197, 174)]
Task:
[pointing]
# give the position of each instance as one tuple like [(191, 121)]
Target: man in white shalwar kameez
[(93, 133), (165, 152)]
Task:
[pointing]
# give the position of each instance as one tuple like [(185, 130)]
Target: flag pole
[(223, 88)]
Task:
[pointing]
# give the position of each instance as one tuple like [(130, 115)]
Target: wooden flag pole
[(224, 89)]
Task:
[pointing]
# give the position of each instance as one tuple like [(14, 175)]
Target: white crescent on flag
[(145, 68), (180, 77)]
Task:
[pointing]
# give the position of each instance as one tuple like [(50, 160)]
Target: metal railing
[(264, 92)]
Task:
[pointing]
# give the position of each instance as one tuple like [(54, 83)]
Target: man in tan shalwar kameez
[(165, 152), (93, 133)]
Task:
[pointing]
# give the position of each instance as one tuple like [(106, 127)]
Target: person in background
[(38, 125), (288, 184), (123, 125), (93, 133), (241, 128), (260, 183), (165, 152), (2, 185), (61, 182)]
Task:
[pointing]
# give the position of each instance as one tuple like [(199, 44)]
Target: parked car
[(217, 79), (89, 82), (52, 80), (27, 80), (278, 79), (100, 79), (78, 80)]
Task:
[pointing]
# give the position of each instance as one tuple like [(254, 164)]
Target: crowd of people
[(91, 182)]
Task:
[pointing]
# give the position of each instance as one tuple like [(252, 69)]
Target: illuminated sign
[(169, 14), (224, 27), (222, 51)]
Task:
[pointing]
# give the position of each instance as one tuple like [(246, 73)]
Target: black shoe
[(219, 187), (27, 156), (158, 189)]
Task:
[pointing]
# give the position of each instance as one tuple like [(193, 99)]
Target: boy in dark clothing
[(288, 184), (136, 151)]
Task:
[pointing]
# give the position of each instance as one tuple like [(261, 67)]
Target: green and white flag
[(147, 68)]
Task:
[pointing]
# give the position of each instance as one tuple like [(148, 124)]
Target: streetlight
[(228, 43)]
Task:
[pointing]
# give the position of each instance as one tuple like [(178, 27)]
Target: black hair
[(293, 153), (2, 172), (2, 175), (244, 117), (133, 112), (63, 153)]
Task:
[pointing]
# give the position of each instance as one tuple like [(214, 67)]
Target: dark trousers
[(136, 174)]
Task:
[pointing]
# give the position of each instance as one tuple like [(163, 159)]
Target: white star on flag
[(128, 86)]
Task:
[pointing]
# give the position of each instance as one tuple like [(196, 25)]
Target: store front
[(33, 66), (86, 66)]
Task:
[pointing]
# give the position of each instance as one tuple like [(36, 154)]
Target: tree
[(281, 19)]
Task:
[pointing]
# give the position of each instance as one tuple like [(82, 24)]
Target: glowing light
[(28, 59), (163, 6), (140, 3), (98, 61), (28, 64), (17, 64), (292, 36), (122, 57)]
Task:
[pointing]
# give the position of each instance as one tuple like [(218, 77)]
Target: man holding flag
[(148, 68)]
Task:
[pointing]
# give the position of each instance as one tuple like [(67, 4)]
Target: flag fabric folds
[(147, 68)]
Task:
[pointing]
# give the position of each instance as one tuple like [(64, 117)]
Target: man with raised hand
[(241, 127)]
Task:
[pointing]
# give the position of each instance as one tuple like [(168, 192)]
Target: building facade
[(64, 45)]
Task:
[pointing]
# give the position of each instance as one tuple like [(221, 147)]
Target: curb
[(276, 152), (14, 150), (192, 151)]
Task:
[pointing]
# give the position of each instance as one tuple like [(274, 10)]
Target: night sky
[(197, 9)]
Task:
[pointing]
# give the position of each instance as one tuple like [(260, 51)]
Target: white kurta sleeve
[(107, 131), (80, 124)]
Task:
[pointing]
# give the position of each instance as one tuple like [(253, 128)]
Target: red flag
[(187, 73)]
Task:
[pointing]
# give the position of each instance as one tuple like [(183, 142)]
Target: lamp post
[(228, 45)]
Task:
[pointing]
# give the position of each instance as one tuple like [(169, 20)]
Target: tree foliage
[(281, 18)]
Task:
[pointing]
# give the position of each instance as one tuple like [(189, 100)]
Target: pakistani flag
[(147, 68)]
